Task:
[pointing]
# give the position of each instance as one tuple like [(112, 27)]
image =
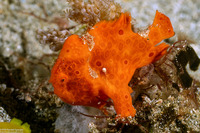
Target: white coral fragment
[(93, 73), (89, 40)]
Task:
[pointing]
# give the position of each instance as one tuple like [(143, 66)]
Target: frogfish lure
[(98, 66)]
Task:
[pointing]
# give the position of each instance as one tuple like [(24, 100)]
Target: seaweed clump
[(92, 11)]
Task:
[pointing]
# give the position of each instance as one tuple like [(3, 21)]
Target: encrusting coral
[(99, 66)]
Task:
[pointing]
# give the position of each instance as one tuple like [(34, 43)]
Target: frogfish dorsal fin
[(160, 29)]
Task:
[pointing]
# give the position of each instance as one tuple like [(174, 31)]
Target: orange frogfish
[(99, 65)]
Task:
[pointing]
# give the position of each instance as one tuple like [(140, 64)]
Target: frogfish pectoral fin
[(122, 100)]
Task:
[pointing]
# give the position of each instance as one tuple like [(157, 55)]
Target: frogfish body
[(99, 65)]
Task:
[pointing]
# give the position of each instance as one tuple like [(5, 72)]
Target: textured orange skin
[(118, 49)]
